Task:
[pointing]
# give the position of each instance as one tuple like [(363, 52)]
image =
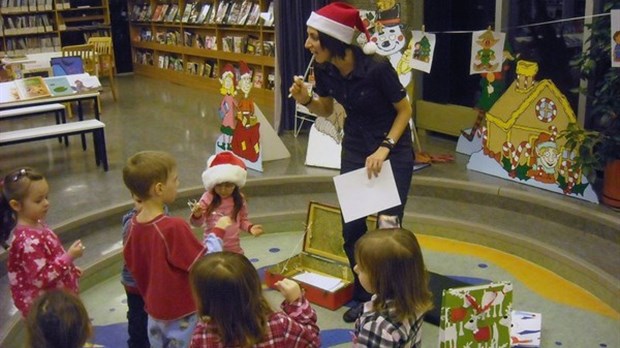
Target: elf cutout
[(246, 136), (227, 108)]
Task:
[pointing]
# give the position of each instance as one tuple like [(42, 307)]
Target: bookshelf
[(38, 26), (189, 42)]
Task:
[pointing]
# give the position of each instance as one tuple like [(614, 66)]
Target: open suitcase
[(322, 255)]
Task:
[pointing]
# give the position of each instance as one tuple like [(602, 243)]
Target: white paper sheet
[(360, 196), (327, 283)]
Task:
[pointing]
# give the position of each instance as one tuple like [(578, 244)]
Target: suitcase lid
[(324, 231)]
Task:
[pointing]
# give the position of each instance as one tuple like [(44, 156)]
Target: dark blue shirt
[(367, 95)]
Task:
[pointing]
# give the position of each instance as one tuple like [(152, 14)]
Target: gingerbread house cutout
[(521, 136)]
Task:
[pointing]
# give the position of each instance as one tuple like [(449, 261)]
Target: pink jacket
[(231, 238), (37, 262)]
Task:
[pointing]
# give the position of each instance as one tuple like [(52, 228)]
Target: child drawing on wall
[(486, 55), (227, 107), (246, 138)]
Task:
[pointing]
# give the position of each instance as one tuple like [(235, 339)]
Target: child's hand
[(76, 250), (223, 222), (289, 289), (198, 210), (256, 230)]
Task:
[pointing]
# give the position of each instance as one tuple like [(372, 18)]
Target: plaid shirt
[(381, 330), (294, 327)]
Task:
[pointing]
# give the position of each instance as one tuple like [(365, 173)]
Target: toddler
[(390, 266), (37, 261), (234, 313), (224, 177), (159, 250), (58, 319)]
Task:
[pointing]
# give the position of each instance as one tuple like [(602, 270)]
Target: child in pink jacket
[(224, 177)]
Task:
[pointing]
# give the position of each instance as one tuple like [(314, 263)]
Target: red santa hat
[(244, 69), (339, 20), (224, 167), (229, 69)]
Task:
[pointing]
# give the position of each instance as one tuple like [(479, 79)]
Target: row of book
[(31, 44), (31, 24), (207, 68), (246, 44), (244, 12), (24, 6)]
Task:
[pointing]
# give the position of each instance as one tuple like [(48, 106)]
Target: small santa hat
[(224, 167), (545, 140), (229, 69), (244, 68), (339, 20)]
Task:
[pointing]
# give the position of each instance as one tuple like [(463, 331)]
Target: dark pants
[(137, 322), (354, 230)]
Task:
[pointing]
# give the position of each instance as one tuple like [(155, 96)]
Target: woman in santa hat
[(376, 127)]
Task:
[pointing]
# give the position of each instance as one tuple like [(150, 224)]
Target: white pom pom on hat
[(224, 167), (339, 20)]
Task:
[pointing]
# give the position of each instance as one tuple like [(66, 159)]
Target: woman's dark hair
[(217, 200), (58, 319), (336, 47), (14, 186)]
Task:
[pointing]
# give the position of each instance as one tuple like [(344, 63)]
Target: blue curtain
[(293, 58)]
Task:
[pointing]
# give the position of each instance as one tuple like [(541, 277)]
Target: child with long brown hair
[(391, 267), (58, 319), (234, 313), (223, 179), (37, 261)]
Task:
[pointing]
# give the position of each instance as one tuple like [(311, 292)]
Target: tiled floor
[(152, 114)]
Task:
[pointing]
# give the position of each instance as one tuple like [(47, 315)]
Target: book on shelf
[(212, 15), (233, 13), (204, 13), (193, 16), (59, 86), (208, 69), (254, 15), (187, 12), (222, 11), (188, 38), (244, 12), (172, 13), (269, 48), (157, 12), (211, 42), (257, 80), (23, 89)]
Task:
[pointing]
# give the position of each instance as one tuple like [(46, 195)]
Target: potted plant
[(598, 149)]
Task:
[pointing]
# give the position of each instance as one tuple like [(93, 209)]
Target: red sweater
[(159, 254)]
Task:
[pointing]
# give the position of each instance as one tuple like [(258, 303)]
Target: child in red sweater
[(224, 177), (159, 250)]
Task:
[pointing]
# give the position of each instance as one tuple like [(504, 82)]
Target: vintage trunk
[(323, 255)]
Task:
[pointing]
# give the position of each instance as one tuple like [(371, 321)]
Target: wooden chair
[(105, 59), (86, 52), (89, 61)]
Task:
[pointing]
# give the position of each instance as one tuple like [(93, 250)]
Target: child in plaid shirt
[(234, 313), (390, 266)]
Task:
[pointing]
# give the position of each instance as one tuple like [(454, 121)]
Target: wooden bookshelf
[(184, 49), (36, 26)]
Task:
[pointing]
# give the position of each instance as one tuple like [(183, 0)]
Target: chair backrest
[(86, 52), (105, 51)]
